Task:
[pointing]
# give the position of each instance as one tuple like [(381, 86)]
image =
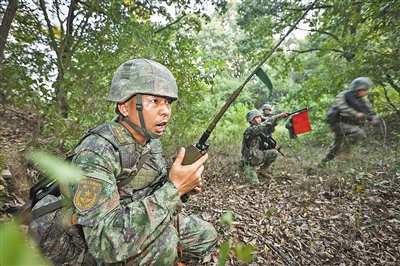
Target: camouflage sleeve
[(367, 104), (114, 232), (270, 122), (255, 130), (341, 104)]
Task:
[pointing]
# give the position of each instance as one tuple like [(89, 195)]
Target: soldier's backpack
[(332, 116)]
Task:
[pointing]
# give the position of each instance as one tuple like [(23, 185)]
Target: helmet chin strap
[(142, 128)]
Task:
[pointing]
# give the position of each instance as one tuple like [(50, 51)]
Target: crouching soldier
[(120, 212), (255, 157)]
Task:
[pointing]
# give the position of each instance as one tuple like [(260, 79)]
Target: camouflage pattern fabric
[(347, 129), (346, 135), (126, 226), (289, 126), (270, 122), (253, 154), (345, 109), (142, 76), (266, 116)]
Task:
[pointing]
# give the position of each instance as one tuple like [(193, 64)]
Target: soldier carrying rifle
[(256, 157), (349, 111)]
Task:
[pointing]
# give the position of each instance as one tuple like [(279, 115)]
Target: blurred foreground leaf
[(227, 219), (54, 167), (243, 252), (15, 249), (223, 253)]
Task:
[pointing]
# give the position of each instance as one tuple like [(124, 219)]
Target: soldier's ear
[(122, 108)]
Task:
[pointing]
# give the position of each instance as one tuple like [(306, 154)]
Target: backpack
[(332, 116)]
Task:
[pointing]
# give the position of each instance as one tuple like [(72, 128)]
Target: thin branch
[(171, 24), (316, 49)]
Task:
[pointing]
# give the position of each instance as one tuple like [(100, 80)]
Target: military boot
[(264, 172), (345, 153)]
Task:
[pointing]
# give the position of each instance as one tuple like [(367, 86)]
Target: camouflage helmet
[(266, 107), (361, 83), (142, 76), (251, 114)]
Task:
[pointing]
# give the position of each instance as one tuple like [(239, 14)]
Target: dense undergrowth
[(344, 214)]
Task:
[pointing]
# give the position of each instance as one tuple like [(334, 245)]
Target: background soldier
[(255, 158), (112, 218), (266, 111), (349, 111)]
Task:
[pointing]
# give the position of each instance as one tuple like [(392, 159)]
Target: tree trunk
[(4, 29)]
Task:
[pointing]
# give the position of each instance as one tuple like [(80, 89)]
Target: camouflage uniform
[(132, 224), (254, 157), (290, 128), (265, 116), (346, 127)]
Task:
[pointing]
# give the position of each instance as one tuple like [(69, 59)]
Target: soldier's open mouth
[(161, 127)]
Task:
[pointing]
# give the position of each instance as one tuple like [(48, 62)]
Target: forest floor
[(347, 213)]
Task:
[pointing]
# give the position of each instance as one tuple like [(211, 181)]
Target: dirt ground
[(345, 214)]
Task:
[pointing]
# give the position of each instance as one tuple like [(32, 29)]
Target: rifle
[(196, 150), (300, 110), (41, 189), (270, 143)]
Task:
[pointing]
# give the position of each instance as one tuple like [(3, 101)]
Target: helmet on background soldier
[(251, 114), (266, 107), (361, 83), (142, 76)]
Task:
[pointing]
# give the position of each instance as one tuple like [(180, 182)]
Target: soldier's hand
[(374, 122), (283, 115), (360, 115), (187, 178)]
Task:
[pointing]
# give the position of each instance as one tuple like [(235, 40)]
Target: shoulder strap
[(29, 217)]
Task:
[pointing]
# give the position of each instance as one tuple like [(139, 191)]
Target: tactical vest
[(113, 134)]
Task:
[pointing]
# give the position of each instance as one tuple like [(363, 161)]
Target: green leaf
[(227, 219), (223, 253), (15, 249), (67, 75), (54, 167), (244, 252)]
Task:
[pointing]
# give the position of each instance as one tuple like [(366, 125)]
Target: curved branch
[(171, 24), (316, 49), (326, 33)]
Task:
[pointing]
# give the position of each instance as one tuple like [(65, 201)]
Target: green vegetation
[(62, 69), (15, 249)]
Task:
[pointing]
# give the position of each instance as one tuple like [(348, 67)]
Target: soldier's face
[(256, 120), (361, 93), (267, 111), (156, 112)]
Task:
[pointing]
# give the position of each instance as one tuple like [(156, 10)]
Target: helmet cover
[(142, 76), (361, 83), (251, 114), (266, 107)]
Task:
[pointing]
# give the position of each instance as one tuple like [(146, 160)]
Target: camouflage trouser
[(263, 159), (345, 136), (198, 238), (259, 160)]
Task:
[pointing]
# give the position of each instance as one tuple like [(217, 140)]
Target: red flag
[(300, 122)]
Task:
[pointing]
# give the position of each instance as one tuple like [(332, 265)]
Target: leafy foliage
[(15, 249)]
